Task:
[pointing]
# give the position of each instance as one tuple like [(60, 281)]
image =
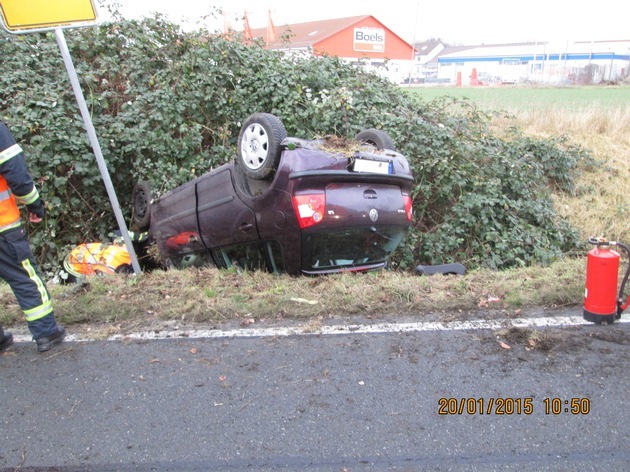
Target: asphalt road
[(342, 402)]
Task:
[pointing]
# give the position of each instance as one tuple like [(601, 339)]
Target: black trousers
[(19, 269)]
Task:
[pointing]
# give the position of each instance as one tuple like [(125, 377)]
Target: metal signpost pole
[(74, 80)]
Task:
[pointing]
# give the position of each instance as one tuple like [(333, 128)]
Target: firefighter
[(17, 264)]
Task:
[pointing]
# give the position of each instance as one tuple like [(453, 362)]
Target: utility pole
[(413, 43)]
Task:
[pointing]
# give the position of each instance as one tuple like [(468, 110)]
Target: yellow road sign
[(28, 15)]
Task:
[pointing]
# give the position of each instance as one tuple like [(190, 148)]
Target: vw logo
[(373, 214)]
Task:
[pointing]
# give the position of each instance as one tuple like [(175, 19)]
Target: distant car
[(286, 205)]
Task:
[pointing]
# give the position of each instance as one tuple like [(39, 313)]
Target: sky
[(456, 22)]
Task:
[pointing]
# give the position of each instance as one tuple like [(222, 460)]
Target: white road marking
[(306, 330)]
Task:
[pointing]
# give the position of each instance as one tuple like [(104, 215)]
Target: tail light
[(408, 207), (309, 208)]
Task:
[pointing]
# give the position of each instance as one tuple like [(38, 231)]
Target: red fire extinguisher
[(602, 304)]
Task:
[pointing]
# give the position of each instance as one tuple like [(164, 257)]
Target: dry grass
[(601, 206), (211, 296)]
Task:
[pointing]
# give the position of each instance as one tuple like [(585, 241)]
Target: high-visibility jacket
[(16, 184), (9, 212), (97, 258)]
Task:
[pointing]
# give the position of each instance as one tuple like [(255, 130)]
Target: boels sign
[(369, 39)]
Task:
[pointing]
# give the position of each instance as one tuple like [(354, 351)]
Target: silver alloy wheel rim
[(255, 146)]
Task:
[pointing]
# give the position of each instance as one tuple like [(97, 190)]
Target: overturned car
[(285, 205)]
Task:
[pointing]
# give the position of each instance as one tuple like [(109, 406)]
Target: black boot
[(45, 343), (6, 339)]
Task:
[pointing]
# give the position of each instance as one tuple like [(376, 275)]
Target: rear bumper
[(362, 268)]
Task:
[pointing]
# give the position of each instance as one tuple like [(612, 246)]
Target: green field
[(509, 98)]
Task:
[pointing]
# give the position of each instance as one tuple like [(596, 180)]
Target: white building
[(549, 63)]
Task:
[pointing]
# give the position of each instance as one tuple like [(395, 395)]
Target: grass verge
[(214, 297)]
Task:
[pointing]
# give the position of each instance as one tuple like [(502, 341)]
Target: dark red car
[(286, 205)]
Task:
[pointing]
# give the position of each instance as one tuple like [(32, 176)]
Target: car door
[(223, 218), (174, 226)]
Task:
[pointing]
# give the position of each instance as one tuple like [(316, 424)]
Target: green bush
[(167, 106)]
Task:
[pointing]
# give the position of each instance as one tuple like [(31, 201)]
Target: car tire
[(259, 147), (124, 269), (377, 138), (141, 205)]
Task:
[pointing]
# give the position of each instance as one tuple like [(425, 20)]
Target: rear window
[(349, 248), (265, 256)]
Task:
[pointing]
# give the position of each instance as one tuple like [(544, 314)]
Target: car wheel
[(141, 205), (124, 269), (377, 138), (259, 145)]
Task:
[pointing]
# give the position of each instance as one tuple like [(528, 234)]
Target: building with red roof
[(353, 39)]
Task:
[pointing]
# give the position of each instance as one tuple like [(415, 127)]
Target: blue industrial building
[(568, 63)]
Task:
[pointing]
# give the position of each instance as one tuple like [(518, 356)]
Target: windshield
[(349, 248)]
